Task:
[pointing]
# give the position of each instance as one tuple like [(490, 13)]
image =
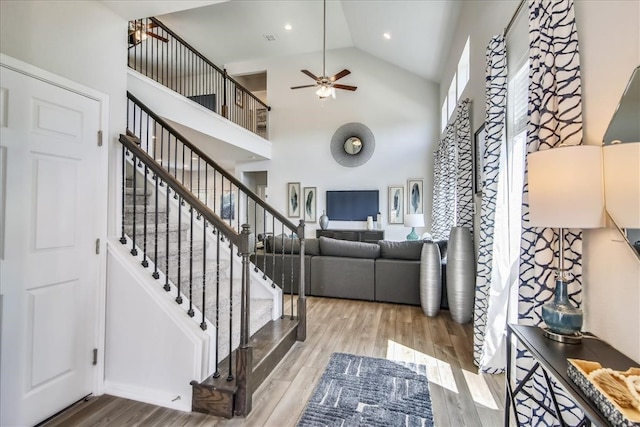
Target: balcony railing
[(158, 53)]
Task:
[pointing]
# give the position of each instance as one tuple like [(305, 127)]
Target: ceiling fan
[(139, 31), (326, 85)]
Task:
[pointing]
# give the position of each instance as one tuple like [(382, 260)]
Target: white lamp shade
[(622, 183), (565, 187), (414, 220)]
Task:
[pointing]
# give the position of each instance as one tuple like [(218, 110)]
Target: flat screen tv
[(353, 205)]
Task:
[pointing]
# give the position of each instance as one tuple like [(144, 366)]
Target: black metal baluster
[(291, 258), (156, 274), (166, 267), (179, 280), (134, 251), (203, 323), (191, 313), (145, 263), (282, 236), (123, 239), (216, 374), (273, 249), (230, 376)]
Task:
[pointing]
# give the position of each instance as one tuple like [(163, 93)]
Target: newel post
[(244, 357), (301, 333), (225, 107)]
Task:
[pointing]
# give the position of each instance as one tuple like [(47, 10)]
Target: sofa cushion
[(345, 248), (311, 247), (409, 250)]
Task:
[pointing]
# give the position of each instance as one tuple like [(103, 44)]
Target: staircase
[(203, 264), (191, 266)]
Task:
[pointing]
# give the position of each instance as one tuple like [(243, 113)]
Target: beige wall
[(609, 38)]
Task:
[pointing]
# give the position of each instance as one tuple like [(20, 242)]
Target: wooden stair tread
[(269, 344)]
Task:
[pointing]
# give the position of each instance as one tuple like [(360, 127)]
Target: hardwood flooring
[(460, 396)]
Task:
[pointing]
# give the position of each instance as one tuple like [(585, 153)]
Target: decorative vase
[(379, 221), (560, 315), (324, 221), (430, 279), (369, 222), (460, 274)]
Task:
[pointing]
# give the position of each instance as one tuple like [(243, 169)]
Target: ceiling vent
[(270, 37)]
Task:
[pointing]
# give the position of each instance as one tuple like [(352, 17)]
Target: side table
[(551, 359)]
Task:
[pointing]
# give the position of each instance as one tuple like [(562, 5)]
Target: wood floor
[(460, 396)]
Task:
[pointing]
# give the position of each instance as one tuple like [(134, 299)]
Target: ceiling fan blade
[(300, 87), (155, 36), (340, 75), (310, 74), (345, 87)]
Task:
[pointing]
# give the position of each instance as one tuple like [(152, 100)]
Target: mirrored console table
[(551, 358)]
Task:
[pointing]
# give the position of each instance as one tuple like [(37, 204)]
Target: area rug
[(366, 391)]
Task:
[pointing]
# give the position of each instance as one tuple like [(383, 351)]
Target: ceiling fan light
[(325, 91)]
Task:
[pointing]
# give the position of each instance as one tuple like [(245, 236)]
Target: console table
[(551, 357), (370, 236)]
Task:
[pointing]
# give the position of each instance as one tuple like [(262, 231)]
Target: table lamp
[(565, 191), (413, 221)]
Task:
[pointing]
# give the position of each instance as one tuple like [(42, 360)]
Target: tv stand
[(369, 236)]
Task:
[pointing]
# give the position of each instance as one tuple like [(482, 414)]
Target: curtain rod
[(513, 18)]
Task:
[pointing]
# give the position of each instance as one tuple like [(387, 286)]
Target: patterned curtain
[(487, 345), (555, 112), (452, 177)]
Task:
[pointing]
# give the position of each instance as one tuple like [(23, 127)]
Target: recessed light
[(288, 27), (387, 36)]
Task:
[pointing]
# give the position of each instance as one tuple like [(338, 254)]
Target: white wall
[(153, 349), (400, 108), (82, 41), (609, 38)]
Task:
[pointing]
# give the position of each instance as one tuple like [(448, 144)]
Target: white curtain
[(492, 292), (555, 117), (452, 177)]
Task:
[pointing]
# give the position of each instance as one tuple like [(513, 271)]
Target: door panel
[(49, 271)]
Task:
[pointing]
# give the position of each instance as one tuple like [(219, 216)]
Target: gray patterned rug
[(365, 391)]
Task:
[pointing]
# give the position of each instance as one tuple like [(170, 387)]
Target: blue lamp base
[(413, 235), (563, 319)]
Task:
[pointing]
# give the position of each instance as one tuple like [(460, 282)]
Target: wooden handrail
[(130, 144)]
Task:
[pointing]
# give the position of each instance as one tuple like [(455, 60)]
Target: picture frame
[(310, 200), (479, 143), (228, 205), (415, 196), (293, 199), (396, 204), (239, 97)]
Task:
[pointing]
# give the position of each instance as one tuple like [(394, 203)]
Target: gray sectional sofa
[(385, 271)]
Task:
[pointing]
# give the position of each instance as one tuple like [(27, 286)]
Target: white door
[(49, 269)]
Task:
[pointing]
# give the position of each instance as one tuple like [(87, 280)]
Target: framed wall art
[(239, 96), (396, 204), (415, 196), (310, 203), (293, 199)]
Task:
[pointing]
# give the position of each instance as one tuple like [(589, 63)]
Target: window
[(463, 69), (444, 118), (458, 83), (451, 96)]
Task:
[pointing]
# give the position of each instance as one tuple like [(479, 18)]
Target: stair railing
[(227, 198), (160, 54), (142, 166)]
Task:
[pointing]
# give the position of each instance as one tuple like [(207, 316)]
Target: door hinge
[(95, 356), (97, 246), (99, 138)]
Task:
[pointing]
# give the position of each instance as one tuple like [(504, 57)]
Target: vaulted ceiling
[(238, 30)]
